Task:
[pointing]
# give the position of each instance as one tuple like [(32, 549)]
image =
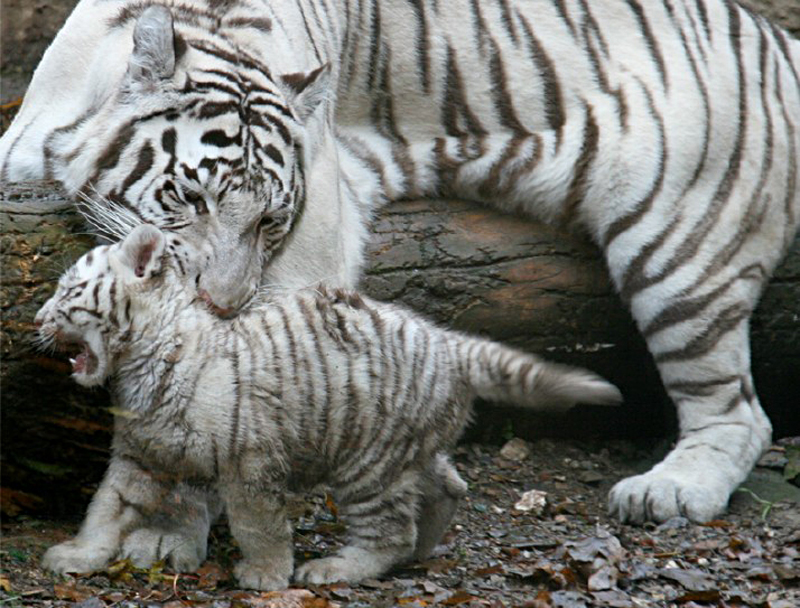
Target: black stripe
[(220, 139), (727, 320), (703, 12), (507, 20), (554, 102), (685, 308), (144, 162), (422, 45), (455, 108), (630, 219), (233, 355), (580, 178), (651, 40), (503, 101)]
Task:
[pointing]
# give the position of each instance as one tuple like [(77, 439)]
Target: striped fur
[(665, 129), (314, 388)]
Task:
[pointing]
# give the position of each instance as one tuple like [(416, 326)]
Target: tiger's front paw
[(265, 577), (183, 552), (350, 565), (78, 557), (658, 496)]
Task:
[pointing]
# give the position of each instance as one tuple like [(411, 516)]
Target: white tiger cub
[(312, 388)]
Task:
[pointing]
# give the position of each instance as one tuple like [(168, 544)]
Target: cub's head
[(199, 137), (92, 311)]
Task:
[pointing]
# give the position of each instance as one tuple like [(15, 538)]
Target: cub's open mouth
[(83, 360)]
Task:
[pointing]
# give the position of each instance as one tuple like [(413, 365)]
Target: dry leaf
[(72, 591), (290, 598), (459, 597), (210, 575)]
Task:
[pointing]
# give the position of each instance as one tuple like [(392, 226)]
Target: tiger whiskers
[(110, 219)]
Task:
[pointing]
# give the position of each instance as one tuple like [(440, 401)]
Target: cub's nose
[(38, 320)]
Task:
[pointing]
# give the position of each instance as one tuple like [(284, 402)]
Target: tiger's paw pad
[(658, 497), (76, 557), (260, 576), (146, 546)]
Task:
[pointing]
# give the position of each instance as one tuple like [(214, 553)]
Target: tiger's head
[(199, 138), (110, 293)]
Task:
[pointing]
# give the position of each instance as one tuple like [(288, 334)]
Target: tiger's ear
[(308, 89), (139, 255), (153, 57)]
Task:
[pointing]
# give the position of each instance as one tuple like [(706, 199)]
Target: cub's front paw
[(183, 552), (265, 577), (78, 557)]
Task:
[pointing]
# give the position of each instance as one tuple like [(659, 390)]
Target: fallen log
[(461, 264)]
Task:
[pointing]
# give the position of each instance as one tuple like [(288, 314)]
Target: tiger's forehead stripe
[(195, 16)]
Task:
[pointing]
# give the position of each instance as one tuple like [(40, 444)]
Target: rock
[(516, 449), (532, 501)]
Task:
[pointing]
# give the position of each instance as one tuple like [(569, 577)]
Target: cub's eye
[(197, 201)]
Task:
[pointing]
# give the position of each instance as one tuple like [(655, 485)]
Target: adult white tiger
[(667, 129)]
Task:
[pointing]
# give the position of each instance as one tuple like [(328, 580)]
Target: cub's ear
[(308, 89), (139, 255), (153, 57)]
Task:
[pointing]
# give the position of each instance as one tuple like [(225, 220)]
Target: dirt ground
[(569, 554)]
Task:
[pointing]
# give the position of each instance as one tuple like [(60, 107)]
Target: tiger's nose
[(220, 311)]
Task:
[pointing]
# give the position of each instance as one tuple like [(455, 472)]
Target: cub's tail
[(499, 373)]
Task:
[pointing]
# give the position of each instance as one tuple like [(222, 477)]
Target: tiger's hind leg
[(441, 488), (381, 532), (700, 343)]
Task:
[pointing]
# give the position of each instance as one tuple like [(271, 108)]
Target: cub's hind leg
[(381, 532), (259, 523), (441, 488), (697, 331)]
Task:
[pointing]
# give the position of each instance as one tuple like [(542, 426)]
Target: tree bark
[(463, 265)]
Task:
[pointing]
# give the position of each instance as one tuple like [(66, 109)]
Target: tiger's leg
[(177, 532), (259, 523), (381, 532), (441, 488), (701, 346), (123, 501)]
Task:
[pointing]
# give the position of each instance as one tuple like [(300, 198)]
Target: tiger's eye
[(266, 222), (197, 201)]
